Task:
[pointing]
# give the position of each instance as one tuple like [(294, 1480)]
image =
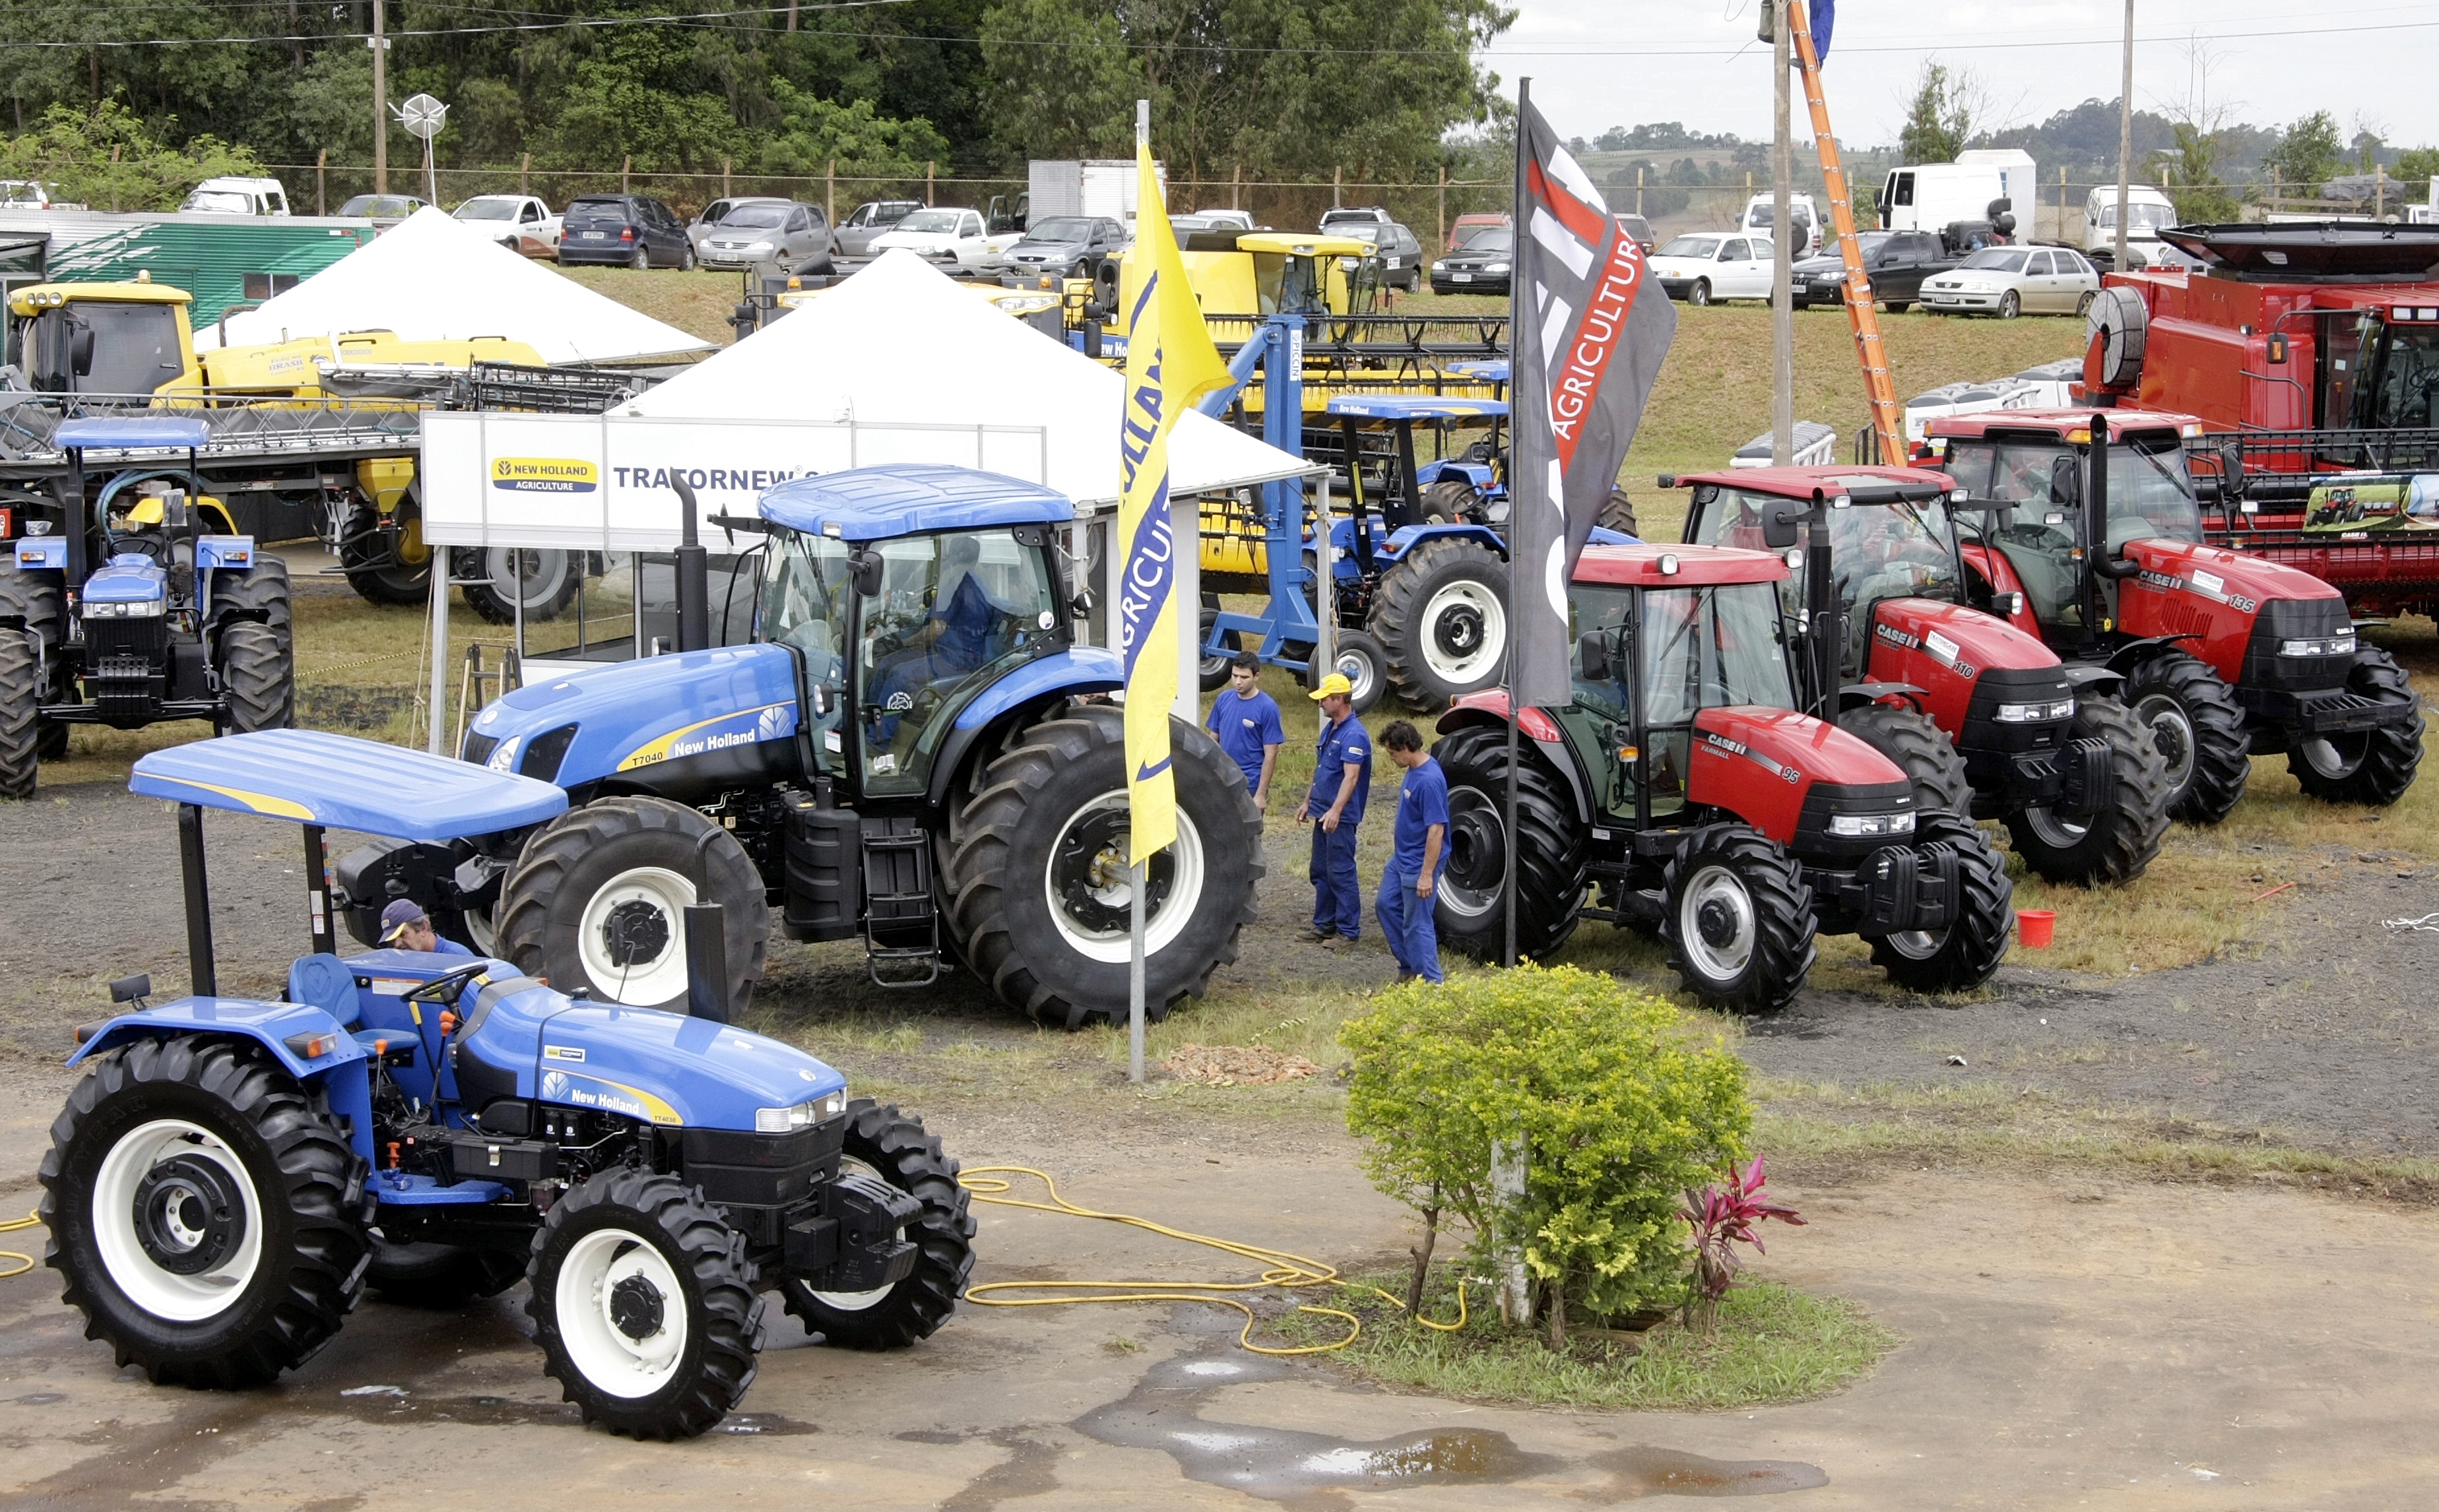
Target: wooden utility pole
[(929, 170), (524, 175), (1236, 188), (626, 167), (724, 178), (1442, 240), (1335, 174), (321, 187), (829, 193), (1782, 241), (1638, 189), (381, 104), (2125, 137)]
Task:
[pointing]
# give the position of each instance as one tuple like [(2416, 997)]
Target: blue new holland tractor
[(137, 605), (230, 1175), (913, 751)]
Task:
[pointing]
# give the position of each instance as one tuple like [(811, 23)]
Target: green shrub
[(1621, 1103)]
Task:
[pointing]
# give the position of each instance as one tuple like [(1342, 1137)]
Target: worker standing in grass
[(1342, 779), (1246, 720), (1412, 878)]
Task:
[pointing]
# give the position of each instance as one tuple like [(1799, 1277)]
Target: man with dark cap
[(404, 927)]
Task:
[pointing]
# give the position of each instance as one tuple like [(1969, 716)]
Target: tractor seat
[(324, 982)]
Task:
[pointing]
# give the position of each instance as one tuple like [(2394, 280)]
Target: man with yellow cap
[(1342, 779)]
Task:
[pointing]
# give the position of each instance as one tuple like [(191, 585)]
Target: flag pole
[(1516, 487), (1136, 870)]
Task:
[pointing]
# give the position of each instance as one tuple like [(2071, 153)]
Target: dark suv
[(633, 229)]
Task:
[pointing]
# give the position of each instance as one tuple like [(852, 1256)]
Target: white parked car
[(1715, 265), (237, 196), (518, 222), (2011, 281), (951, 240)]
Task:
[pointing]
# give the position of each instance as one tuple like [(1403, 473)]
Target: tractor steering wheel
[(443, 991)]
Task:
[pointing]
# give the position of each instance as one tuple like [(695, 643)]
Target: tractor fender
[(2125, 658), (1409, 537), (1488, 710), (43, 552), (1065, 675), (1857, 695), (1476, 473), (2094, 676), (284, 1029)]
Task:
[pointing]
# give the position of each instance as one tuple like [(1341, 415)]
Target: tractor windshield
[(804, 605), (956, 613), (135, 347), (1877, 551), (2403, 392)]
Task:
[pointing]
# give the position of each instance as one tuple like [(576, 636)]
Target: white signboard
[(602, 483)]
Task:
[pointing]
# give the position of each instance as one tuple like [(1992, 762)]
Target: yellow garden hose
[(25, 1262), (1280, 1270)]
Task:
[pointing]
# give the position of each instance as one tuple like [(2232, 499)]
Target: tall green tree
[(2309, 153), (1062, 81), (106, 158), (1941, 117)]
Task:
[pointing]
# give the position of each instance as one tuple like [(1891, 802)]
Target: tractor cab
[(121, 338)]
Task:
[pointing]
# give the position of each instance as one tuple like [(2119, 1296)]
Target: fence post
[(1638, 189), (524, 175), (2379, 193), (624, 169), (829, 193), (929, 170), (1442, 241), (1236, 187), (724, 178), (321, 181), (1508, 1161), (2061, 219), (1334, 174)]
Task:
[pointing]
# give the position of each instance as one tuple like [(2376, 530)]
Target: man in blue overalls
[(1342, 779), (1411, 883)]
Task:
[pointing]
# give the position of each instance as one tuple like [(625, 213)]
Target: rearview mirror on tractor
[(866, 564), (1591, 655), (1779, 520), (80, 350)]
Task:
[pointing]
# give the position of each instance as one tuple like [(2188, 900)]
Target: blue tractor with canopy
[(141, 605), (231, 1174), (912, 751)]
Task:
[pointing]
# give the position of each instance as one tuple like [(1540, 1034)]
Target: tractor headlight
[(2320, 646), (1866, 825), (2039, 712), (800, 1115), (135, 609)]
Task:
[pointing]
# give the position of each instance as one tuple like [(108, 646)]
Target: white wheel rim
[(2172, 734), (857, 1301), (116, 1189), (587, 1289), (1360, 672), (506, 568), (478, 927), (1725, 961), (1917, 944), (659, 978), (2055, 833), (1460, 666), (1106, 883)]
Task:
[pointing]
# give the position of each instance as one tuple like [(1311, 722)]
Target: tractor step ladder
[(480, 683), (1861, 312), (901, 924)]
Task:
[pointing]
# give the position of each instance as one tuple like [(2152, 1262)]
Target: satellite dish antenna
[(423, 117)]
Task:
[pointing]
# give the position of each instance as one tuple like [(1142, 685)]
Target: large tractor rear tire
[(35, 603), (1739, 922), (259, 594), (884, 1143), (547, 579), (1963, 955), (2115, 844), (208, 1220), (21, 726), (1037, 886), (2372, 766), (1920, 749), (1617, 514), (1440, 614), (2197, 726), (440, 1275), (649, 1314), (598, 899), (1449, 500), (1470, 912), (391, 566), (258, 677)]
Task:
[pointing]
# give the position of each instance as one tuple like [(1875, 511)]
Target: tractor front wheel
[(1920, 749), (1470, 912), (1739, 922), (1450, 500), (207, 1217), (649, 1314), (2115, 844), (1440, 614), (2198, 728), (1038, 887), (1365, 665), (258, 677), (1964, 954), (21, 724), (2372, 766), (545, 578), (884, 1143), (598, 899), (391, 566), (260, 594)]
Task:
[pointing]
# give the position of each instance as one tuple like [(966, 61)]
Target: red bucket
[(2033, 927)]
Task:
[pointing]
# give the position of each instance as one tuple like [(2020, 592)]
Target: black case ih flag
[(1589, 334)]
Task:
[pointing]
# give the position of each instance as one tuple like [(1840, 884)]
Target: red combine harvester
[(2310, 353), (2085, 527)]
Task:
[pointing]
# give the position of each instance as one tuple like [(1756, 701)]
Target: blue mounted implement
[(232, 1173)]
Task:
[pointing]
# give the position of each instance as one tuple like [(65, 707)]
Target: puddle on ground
[(1646, 1470), (1164, 1412), (508, 1411)]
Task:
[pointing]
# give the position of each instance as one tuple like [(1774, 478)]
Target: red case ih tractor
[(1983, 716), (1682, 783), (2084, 528)]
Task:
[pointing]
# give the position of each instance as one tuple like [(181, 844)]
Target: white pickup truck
[(518, 222)]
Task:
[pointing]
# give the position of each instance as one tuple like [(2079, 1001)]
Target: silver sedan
[(2011, 281)]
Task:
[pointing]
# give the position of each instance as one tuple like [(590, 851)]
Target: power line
[(533, 25)]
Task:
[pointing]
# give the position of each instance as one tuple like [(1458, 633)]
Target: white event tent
[(434, 279)]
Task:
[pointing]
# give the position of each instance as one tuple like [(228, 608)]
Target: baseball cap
[(397, 916), (1334, 683)]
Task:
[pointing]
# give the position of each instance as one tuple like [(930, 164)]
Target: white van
[(2147, 211), (1761, 208), (1934, 196), (237, 196)]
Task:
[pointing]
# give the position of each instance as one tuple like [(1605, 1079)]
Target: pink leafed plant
[(1725, 1215)]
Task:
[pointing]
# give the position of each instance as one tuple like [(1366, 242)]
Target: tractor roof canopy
[(2071, 425), (34, 298), (147, 431), (2302, 252), (1648, 566), (345, 783), (908, 498), (1415, 407), (1861, 483)]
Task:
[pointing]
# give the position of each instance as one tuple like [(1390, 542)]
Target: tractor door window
[(1598, 723), (954, 613), (2152, 495), (804, 605), (2037, 537), (2405, 390), (1704, 649), (1878, 552), (2340, 376)]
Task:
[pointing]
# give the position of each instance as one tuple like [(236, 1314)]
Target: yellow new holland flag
[(1170, 364)]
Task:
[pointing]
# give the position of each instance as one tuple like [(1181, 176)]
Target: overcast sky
[(1596, 64)]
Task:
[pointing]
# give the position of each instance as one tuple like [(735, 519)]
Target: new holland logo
[(545, 474)]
